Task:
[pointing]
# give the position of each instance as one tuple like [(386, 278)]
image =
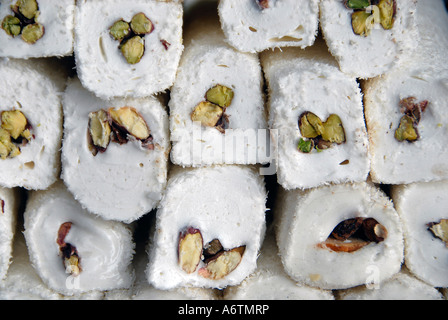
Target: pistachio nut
[(406, 130), (220, 95), (334, 130), (141, 24), (387, 12), (33, 32), (119, 30), (207, 113), (133, 49), (99, 131), (310, 125), (11, 25)]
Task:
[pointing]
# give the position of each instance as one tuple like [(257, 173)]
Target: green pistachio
[(207, 113), (11, 25), (310, 125), (305, 146), (357, 4), (133, 49), (333, 130), (28, 8), (141, 24), (119, 30), (406, 130), (387, 13), (220, 95), (361, 23), (33, 32)]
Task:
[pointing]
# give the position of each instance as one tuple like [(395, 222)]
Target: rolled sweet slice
[(9, 202), (422, 208), (114, 153), (405, 109), (338, 237), (208, 237), (270, 281), (402, 286), (368, 37), (31, 122), (36, 28), (72, 250), (257, 25), (317, 120), (217, 113), (127, 48)]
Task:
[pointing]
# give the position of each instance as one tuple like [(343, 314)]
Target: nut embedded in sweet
[(263, 4), (222, 264), (15, 123), (387, 12), (220, 95), (28, 8), (310, 125), (99, 132), (190, 249), (33, 32), (343, 246), (119, 30), (361, 23), (440, 230), (7, 148), (207, 113), (68, 252), (11, 25), (141, 24), (406, 130), (334, 130), (357, 4), (127, 120), (133, 49), (212, 248)]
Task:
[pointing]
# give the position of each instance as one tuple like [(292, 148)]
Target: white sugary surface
[(223, 202), (208, 61), (367, 57), (419, 204), (125, 182), (34, 88), (105, 247), (57, 17), (402, 286), (100, 64), (307, 218), (309, 80), (23, 283), (285, 23), (8, 219), (270, 281), (425, 77)]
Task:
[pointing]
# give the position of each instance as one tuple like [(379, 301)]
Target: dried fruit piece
[(141, 24), (133, 49), (387, 12), (120, 30), (406, 130), (11, 25), (222, 264), (99, 131), (310, 125), (190, 249), (220, 95), (68, 252), (333, 130), (207, 113), (362, 23), (357, 4), (28, 8), (129, 120), (33, 32), (440, 230)]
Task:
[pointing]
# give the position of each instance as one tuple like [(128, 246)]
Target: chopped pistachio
[(14, 122), (440, 230), (357, 4), (5, 144), (33, 32), (11, 25), (333, 130), (141, 24), (28, 8), (220, 95), (361, 23), (207, 113), (222, 264), (387, 13), (133, 49), (406, 130), (130, 121), (99, 131), (305, 146), (310, 125), (119, 30)]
